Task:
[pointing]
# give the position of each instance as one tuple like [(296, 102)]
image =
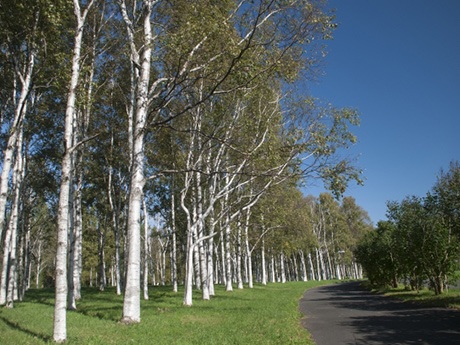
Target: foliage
[(420, 242), (376, 253), (222, 103)]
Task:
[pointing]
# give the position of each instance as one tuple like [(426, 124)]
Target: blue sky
[(398, 63)]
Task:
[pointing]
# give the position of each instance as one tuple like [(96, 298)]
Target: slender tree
[(60, 324)]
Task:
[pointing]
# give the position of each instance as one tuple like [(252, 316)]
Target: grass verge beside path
[(262, 315), (450, 299)]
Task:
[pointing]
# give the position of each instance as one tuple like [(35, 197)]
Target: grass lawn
[(262, 315), (450, 299)]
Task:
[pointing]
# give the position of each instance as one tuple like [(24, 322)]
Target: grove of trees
[(164, 142), (419, 244)]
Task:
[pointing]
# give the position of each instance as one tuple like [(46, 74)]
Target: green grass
[(262, 315), (450, 299)]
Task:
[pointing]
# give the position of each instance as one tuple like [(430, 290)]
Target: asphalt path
[(347, 313)]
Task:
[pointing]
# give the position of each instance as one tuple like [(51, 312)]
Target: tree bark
[(131, 300), (60, 319), (263, 264), (146, 252), (9, 274)]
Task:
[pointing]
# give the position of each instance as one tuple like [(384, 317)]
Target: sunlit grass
[(262, 315)]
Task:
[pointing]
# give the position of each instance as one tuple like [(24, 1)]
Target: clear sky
[(398, 63)]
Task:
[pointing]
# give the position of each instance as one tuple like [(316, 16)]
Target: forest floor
[(348, 313)]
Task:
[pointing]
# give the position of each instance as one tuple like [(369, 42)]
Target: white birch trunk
[(228, 256), (60, 319), (25, 263), (9, 249), (188, 298), (196, 259), (173, 242), (282, 269), (71, 303), (294, 268), (210, 261), (323, 265), (188, 283), (272, 269), (16, 128), (239, 275), (116, 228), (131, 300), (76, 263), (312, 267), (14, 223), (248, 249), (101, 254), (39, 263), (196, 254), (303, 266), (263, 264), (330, 269), (222, 257), (78, 249), (146, 252)]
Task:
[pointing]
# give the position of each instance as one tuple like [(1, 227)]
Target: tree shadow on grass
[(18, 327), (104, 313)]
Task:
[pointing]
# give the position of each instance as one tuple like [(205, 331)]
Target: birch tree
[(20, 47), (60, 323), (141, 58), (8, 279)]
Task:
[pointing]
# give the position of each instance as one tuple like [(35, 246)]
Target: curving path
[(348, 314)]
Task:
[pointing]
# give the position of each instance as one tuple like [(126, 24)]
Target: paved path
[(348, 314)]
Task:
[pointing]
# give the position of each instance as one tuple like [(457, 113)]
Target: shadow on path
[(349, 314)]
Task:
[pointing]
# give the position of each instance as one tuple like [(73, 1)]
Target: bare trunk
[(146, 252), (39, 262), (312, 268), (173, 240), (101, 254), (248, 249), (15, 132), (14, 224), (303, 266), (188, 298), (24, 263), (116, 228), (263, 264), (222, 257), (210, 261), (131, 301), (228, 256), (272, 269), (8, 274), (60, 323), (239, 275), (282, 270)]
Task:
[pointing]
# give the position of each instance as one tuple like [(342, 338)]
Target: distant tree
[(376, 253), (446, 193), (416, 245)]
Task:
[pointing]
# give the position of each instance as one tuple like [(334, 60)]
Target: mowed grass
[(262, 315)]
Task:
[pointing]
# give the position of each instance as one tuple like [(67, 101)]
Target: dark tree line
[(419, 244)]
